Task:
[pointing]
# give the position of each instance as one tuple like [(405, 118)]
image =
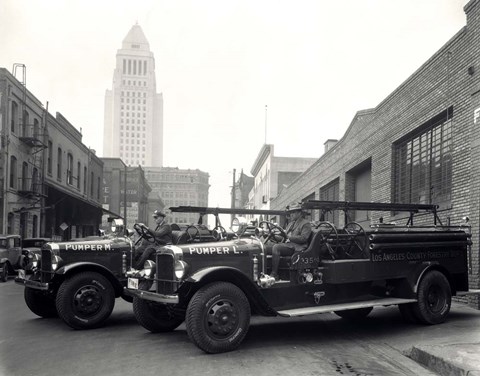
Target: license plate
[(133, 283), (21, 273)]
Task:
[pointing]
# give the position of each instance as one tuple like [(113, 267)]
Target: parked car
[(11, 257), (349, 270)]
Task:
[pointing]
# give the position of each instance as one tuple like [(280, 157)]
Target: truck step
[(344, 306)]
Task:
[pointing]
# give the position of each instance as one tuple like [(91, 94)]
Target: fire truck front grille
[(165, 274), (46, 266)]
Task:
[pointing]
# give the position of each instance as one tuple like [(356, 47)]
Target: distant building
[(51, 182), (133, 123), (177, 187), (272, 174), (243, 186), (134, 190)]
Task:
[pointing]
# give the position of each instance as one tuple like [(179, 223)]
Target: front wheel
[(40, 303), (155, 317), (218, 317), (354, 314), (85, 300), (434, 298)]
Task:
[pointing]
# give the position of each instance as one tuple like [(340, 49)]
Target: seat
[(179, 237), (310, 257)]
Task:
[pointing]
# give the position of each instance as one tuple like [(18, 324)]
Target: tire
[(40, 303), (407, 312), (354, 314), (156, 318), (434, 298), (85, 300), (4, 273), (215, 302)]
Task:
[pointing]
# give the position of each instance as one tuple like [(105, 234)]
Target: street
[(315, 345)]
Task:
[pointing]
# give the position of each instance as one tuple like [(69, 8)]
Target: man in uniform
[(298, 234)]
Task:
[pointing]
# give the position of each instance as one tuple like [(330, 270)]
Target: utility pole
[(233, 194), (265, 124)]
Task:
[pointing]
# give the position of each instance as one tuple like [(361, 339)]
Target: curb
[(441, 359)]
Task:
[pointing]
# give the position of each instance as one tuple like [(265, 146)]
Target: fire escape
[(31, 185)]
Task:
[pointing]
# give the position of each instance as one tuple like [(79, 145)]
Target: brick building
[(421, 144), (50, 181)]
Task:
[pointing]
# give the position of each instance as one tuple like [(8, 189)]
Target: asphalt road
[(309, 346)]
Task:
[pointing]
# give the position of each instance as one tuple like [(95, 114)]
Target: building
[(421, 144), (133, 128), (273, 174), (124, 184), (243, 186), (177, 187), (50, 181)]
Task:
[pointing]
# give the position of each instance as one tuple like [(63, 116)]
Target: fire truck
[(216, 287)]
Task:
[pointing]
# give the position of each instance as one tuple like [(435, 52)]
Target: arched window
[(78, 175), (24, 183), (36, 129), (25, 121), (70, 169), (35, 181), (13, 172), (14, 117), (59, 164)]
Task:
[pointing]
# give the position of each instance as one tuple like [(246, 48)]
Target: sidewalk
[(457, 351)]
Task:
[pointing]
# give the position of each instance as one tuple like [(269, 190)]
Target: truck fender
[(229, 274), (77, 267), (408, 286)]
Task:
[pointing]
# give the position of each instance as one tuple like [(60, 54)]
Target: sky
[(234, 74)]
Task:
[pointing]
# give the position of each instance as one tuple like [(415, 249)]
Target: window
[(330, 192), (98, 188), (78, 175), (423, 164), (91, 184), (13, 172), (13, 119), (59, 164), (34, 226), (25, 121), (24, 183), (50, 157), (85, 180), (70, 169)]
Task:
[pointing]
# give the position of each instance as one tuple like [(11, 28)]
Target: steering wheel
[(357, 241), (193, 233), (144, 232), (274, 232), (329, 237), (219, 233)]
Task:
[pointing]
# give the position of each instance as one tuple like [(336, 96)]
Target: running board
[(469, 292), (344, 306)]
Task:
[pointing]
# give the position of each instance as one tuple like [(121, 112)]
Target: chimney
[(330, 143)]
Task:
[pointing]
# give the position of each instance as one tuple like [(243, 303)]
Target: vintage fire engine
[(216, 287)]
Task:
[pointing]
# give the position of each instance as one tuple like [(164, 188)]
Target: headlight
[(36, 260), (149, 268), (237, 224), (56, 260), (180, 268)]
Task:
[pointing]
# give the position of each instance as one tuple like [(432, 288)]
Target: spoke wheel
[(357, 242), (330, 238), (275, 233), (218, 317)]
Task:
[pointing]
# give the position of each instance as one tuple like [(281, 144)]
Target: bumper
[(37, 285), (152, 296)]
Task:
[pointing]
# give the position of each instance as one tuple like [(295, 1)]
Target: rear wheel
[(40, 303), (218, 317), (434, 298), (4, 273), (354, 314), (85, 300)]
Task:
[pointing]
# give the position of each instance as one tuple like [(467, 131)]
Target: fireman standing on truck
[(298, 234), (162, 235)]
